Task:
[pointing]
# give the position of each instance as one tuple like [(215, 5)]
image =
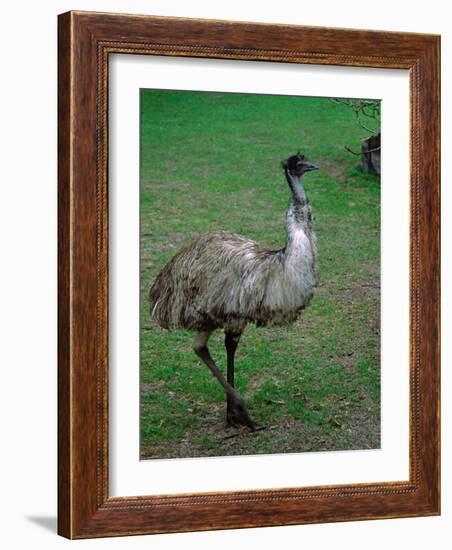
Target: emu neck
[(297, 189), (299, 225), (299, 218)]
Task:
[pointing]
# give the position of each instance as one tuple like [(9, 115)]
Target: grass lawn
[(211, 161)]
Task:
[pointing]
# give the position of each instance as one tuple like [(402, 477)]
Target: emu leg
[(238, 407), (231, 342)]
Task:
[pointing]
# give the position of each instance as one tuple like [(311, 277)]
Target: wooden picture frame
[(85, 42)]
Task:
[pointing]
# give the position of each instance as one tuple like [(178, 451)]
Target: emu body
[(223, 280)]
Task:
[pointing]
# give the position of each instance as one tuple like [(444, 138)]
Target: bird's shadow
[(49, 523)]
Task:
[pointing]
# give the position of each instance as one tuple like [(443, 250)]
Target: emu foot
[(237, 414)]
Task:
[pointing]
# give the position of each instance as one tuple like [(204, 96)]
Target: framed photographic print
[(248, 275)]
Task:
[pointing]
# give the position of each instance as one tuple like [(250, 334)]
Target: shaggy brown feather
[(225, 280)]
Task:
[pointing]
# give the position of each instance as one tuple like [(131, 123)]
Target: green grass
[(211, 161)]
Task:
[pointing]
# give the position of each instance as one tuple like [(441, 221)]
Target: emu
[(223, 280)]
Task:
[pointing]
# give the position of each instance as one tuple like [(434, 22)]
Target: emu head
[(297, 165)]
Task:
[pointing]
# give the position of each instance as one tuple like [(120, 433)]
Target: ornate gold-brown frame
[(85, 508)]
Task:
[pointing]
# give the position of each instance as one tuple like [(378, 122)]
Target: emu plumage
[(223, 280)]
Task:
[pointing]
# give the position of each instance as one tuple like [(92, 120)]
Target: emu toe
[(237, 415)]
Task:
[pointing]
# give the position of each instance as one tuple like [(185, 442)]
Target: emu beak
[(308, 166)]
